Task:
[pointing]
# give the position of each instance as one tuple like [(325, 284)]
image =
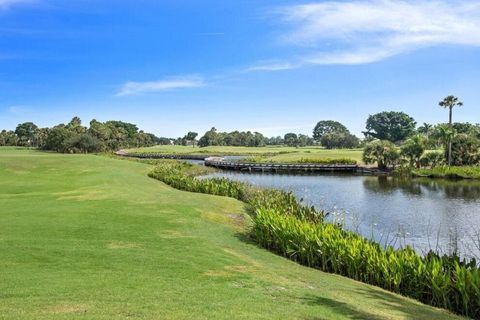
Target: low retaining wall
[(270, 167)]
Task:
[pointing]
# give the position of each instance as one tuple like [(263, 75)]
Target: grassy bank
[(91, 237), (449, 172), (273, 154)]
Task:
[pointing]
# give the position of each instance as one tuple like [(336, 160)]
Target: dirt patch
[(238, 219)]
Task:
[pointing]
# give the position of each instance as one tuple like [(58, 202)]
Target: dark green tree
[(328, 126), (26, 133), (390, 125), (291, 139), (339, 140)]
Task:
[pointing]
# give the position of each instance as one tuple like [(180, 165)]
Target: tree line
[(393, 139), (73, 137)]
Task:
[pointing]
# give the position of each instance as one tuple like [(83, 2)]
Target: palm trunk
[(450, 140)]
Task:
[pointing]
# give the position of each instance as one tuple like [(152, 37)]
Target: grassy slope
[(90, 237), (278, 153)]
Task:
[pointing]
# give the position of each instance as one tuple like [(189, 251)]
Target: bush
[(432, 159), (465, 150), (413, 150), (382, 152)]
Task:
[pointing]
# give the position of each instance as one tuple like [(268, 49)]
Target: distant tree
[(129, 129), (210, 138), (425, 129), (339, 140), (382, 152), (41, 136), (304, 140), (26, 133), (291, 139), (328, 126), (274, 141), (164, 141), (8, 138), (191, 136), (57, 137), (390, 125), (450, 102), (82, 143), (75, 125)]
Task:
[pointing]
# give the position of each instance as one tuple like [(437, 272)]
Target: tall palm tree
[(450, 102)]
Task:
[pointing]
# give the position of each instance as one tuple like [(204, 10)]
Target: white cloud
[(367, 31), (133, 88)]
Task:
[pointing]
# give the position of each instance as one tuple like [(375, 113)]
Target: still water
[(442, 215)]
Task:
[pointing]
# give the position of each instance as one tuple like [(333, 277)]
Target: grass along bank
[(91, 237), (467, 172), (297, 232)]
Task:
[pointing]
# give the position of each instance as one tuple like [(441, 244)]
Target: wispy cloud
[(5, 4), (134, 88), (18, 110), (271, 66), (367, 31)]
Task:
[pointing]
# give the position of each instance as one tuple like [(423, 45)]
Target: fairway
[(269, 153), (91, 237)]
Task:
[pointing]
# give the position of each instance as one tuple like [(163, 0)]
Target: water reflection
[(458, 189), (424, 213)]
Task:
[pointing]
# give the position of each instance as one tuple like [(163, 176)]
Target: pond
[(442, 215)]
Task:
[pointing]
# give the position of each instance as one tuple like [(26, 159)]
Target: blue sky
[(275, 66)]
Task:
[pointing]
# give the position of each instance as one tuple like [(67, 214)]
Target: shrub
[(413, 150), (382, 152), (465, 150), (432, 159)]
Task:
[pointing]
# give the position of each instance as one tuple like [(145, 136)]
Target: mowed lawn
[(90, 237), (271, 153)]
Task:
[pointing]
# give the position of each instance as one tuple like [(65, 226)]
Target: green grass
[(90, 237), (269, 153), (449, 172)]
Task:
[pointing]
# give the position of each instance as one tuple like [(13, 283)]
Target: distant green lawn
[(90, 237), (272, 153)]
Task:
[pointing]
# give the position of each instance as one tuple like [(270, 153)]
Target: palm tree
[(450, 102), (425, 129)]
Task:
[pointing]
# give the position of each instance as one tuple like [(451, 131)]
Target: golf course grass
[(276, 154), (91, 237)]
